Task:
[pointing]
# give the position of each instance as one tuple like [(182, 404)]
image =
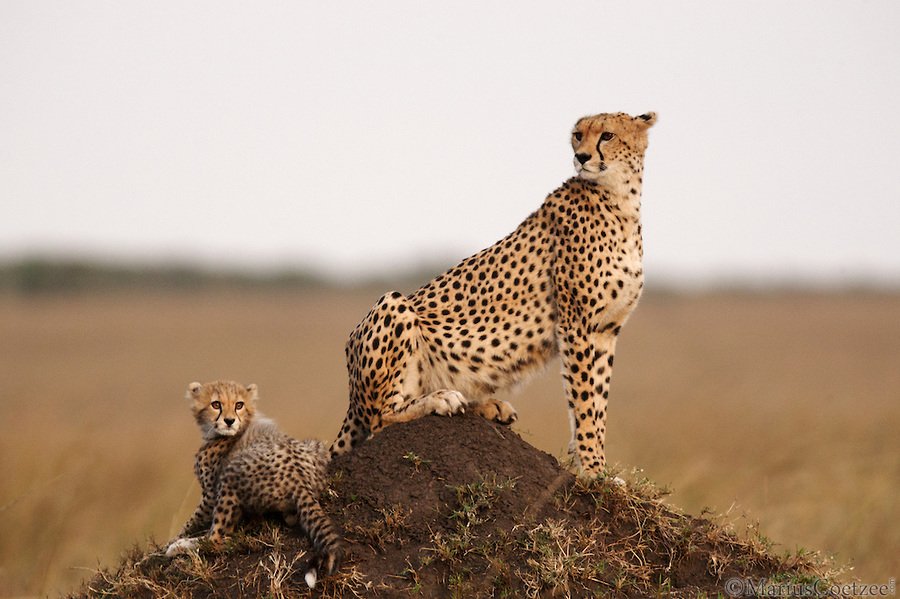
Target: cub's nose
[(229, 421), (582, 158)]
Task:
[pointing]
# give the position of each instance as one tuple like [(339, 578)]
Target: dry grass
[(783, 407), (259, 564)]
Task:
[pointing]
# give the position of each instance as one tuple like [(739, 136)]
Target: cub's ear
[(252, 390), (648, 119), (193, 390)]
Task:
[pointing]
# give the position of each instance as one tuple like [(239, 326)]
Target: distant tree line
[(40, 276), (32, 276)]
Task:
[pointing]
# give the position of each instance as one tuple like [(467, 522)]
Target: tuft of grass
[(474, 499), (280, 570), (388, 528), (473, 503), (559, 558), (411, 575)]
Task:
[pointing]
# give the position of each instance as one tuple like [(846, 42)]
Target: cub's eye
[(577, 135), (216, 405), (606, 136), (239, 405)]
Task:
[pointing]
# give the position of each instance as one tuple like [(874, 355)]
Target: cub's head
[(222, 408), (610, 147)]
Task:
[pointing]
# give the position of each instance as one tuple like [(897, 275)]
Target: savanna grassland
[(783, 407)]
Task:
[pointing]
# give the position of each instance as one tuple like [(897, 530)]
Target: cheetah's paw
[(182, 546), (325, 563), (311, 577), (447, 402), (602, 476), (498, 410)]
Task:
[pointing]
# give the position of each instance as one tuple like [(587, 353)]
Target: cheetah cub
[(247, 465)]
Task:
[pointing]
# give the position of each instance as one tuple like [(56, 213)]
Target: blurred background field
[(781, 406)]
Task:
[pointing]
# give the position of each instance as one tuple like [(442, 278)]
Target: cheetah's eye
[(216, 405), (239, 405), (577, 135), (606, 136)]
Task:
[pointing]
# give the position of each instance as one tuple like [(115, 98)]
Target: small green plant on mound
[(415, 460)]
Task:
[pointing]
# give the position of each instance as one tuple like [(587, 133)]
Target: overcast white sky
[(377, 135)]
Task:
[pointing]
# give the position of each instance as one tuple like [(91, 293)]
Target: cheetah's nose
[(229, 421), (582, 158)]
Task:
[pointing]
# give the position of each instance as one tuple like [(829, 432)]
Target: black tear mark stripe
[(598, 150)]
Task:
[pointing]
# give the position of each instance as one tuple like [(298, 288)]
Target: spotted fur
[(563, 283), (246, 465)]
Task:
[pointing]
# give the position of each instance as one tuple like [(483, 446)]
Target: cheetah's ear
[(647, 120), (252, 390), (193, 390)]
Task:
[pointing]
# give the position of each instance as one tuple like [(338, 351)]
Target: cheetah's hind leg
[(326, 563), (326, 542), (498, 410)]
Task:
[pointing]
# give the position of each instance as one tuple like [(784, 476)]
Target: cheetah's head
[(610, 147), (222, 408)]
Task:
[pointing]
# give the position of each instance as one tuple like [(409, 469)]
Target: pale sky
[(373, 136)]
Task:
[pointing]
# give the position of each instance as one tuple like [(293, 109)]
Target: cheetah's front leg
[(586, 370), (225, 517), (199, 520)]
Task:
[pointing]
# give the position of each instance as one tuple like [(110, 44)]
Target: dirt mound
[(461, 507), (421, 468)]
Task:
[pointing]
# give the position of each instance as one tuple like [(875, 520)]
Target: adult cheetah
[(563, 283)]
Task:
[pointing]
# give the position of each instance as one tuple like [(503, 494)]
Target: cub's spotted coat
[(247, 465), (563, 283)]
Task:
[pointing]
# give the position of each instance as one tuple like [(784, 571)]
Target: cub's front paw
[(182, 546)]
